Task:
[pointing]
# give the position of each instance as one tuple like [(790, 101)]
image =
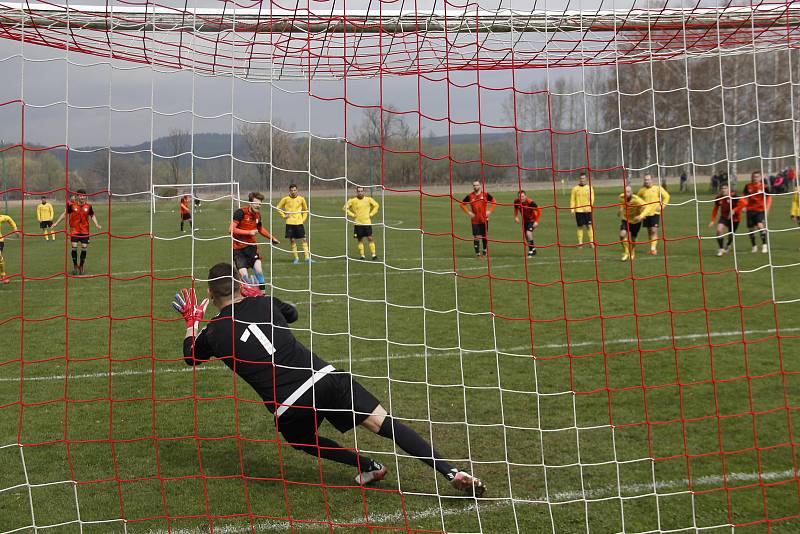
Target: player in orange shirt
[(530, 218), (479, 205), (758, 203), (186, 211), (245, 225), (78, 213)]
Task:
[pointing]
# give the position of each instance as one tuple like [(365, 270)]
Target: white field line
[(486, 505), (432, 353)]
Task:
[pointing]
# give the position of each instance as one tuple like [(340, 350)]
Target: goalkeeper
[(258, 345)]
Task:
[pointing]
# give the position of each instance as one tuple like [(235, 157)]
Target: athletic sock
[(259, 277), (2, 268), (477, 246), (74, 258), (720, 242), (653, 244), (294, 251), (591, 234), (531, 246), (361, 249), (580, 236), (485, 245), (306, 253), (730, 239), (624, 248), (752, 239), (83, 257), (413, 444), (763, 236), (372, 247), (181, 226)]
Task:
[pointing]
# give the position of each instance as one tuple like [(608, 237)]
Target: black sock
[(753, 239), (485, 245), (763, 236), (730, 239), (413, 444), (531, 246), (181, 226), (720, 241), (83, 257), (477, 246), (74, 257)]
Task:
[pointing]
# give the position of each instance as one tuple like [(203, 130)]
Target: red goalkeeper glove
[(185, 303), (250, 287)]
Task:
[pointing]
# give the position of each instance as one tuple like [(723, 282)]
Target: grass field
[(660, 396)]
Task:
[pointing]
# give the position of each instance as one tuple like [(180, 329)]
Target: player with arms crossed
[(185, 211), (581, 200), (5, 219), (251, 335), (481, 205), (530, 218), (44, 214), (78, 213), (631, 213), (656, 197), (362, 209), (245, 225), (729, 206), (758, 203), (294, 209)]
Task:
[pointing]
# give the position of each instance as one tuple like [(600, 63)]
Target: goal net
[(603, 362)]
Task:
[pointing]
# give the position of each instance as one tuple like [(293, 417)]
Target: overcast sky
[(116, 103)]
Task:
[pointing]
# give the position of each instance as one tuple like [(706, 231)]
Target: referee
[(258, 345)]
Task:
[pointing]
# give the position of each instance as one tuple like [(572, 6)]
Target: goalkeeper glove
[(250, 287), (185, 303)]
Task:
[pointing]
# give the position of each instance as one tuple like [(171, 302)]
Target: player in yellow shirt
[(631, 213), (8, 220), (44, 214), (361, 209), (656, 197), (294, 209), (580, 202), (795, 212)]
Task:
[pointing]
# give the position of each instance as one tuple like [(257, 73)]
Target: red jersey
[(78, 215), (726, 205), (481, 204), (185, 205), (757, 199), (530, 210), (244, 221)]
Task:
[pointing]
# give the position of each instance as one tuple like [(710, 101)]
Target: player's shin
[(74, 258), (720, 241), (360, 249), (2, 267), (294, 251), (372, 248), (83, 257), (591, 234), (580, 235), (306, 252), (412, 443)]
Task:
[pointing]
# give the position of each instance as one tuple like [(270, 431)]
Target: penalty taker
[(297, 387)]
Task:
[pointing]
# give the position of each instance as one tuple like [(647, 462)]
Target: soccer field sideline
[(436, 352)]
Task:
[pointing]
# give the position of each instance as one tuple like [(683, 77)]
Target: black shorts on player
[(529, 226), (186, 216), (652, 221), (295, 231), (246, 258), (80, 238), (361, 231), (754, 218), (45, 224), (2, 245), (631, 228), (729, 224), (583, 218), (479, 229)]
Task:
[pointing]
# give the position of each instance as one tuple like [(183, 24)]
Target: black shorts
[(362, 230), (729, 224), (186, 216), (2, 244), (754, 218), (583, 218), (652, 221), (79, 238), (245, 258), (528, 226), (338, 397), (631, 228), (45, 224), (295, 231), (479, 229)]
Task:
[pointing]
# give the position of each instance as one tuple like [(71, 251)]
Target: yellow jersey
[(631, 209), (581, 199), (655, 197), (44, 212), (8, 220), (361, 210), (294, 210), (795, 204)]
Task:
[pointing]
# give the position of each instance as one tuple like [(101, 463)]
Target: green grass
[(658, 397)]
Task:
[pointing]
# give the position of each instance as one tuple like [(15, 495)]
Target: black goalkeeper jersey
[(253, 338)]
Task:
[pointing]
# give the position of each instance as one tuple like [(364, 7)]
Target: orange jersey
[(244, 221), (726, 206), (185, 205), (757, 199), (78, 215), (481, 204), (530, 210)]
